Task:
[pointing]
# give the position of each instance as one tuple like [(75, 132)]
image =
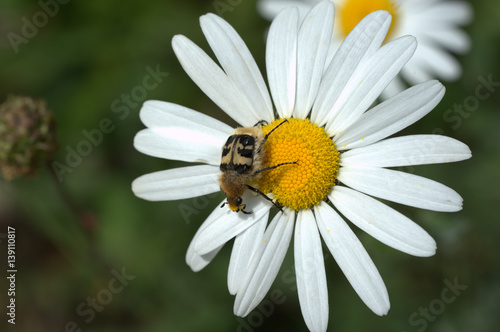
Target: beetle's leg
[(255, 190)]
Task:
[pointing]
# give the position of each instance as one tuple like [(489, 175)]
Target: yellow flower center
[(350, 12), (310, 180)]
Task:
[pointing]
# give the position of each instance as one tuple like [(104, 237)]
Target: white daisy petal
[(313, 43), (245, 245), (363, 41), (392, 115), (403, 188), (369, 81), (177, 183), (352, 259), (219, 233), (198, 262), (212, 80), (155, 113), (176, 143), (195, 261), (238, 63), (281, 60), (265, 263), (382, 222), (407, 150), (310, 271), (179, 133)]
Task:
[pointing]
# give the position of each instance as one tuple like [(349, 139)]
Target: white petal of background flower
[(395, 86), (265, 263), (363, 41), (212, 80), (177, 183), (452, 39), (270, 8), (310, 272), (244, 247), (449, 12), (239, 64), (352, 259), (400, 187), (416, 71), (313, 43), (369, 81), (219, 233), (437, 61), (435, 24), (382, 222), (392, 115), (281, 60), (407, 150)]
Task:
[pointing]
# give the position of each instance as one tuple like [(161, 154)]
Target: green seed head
[(27, 136)]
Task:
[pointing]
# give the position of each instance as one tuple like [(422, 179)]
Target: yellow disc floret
[(310, 180), (352, 11)]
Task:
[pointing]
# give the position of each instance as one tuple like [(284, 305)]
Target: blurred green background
[(90, 54)]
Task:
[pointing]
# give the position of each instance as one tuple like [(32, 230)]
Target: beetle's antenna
[(269, 133)]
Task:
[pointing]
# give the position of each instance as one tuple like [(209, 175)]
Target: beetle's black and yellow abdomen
[(238, 154)]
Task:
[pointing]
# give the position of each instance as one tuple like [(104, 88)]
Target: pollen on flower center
[(308, 182), (353, 11)]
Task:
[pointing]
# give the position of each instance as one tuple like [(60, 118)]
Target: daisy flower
[(337, 143), (435, 24)]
